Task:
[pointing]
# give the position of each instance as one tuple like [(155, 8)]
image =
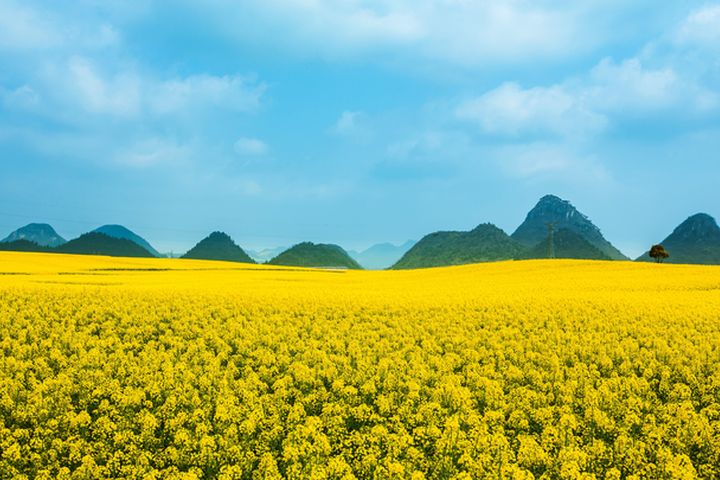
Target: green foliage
[(695, 241), (566, 244), (308, 254), (218, 246), (95, 243), (658, 253), (485, 243), (118, 231), (561, 213), (22, 246)]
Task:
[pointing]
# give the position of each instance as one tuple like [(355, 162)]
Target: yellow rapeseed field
[(179, 369)]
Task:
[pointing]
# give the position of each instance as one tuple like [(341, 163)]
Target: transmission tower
[(551, 239)]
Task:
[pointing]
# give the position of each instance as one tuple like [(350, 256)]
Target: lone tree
[(659, 253)]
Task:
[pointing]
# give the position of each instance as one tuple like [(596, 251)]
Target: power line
[(159, 229)]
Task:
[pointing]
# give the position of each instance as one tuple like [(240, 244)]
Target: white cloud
[(635, 89), (587, 104), (512, 110), (433, 145), (23, 97), (353, 23), (631, 86), (24, 28), (153, 152), (537, 158), (352, 125), (552, 160), (471, 33), (328, 25), (80, 86), (463, 32), (245, 187), (347, 123), (701, 27), (246, 146), (118, 94), (229, 92)]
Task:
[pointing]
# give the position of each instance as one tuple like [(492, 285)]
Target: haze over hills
[(40, 233), (561, 213), (118, 231), (381, 255), (218, 246), (566, 244), (484, 243), (694, 241), (308, 254), (266, 254), (96, 243)]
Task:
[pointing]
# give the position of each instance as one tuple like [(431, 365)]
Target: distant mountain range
[(695, 241), (218, 246), (43, 237), (553, 228), (111, 240), (382, 255), (308, 254), (39, 233)]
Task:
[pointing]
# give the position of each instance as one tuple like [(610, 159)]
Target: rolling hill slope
[(39, 233), (118, 231), (218, 246), (95, 243), (485, 243), (319, 255)]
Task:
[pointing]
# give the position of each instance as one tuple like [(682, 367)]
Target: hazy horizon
[(183, 247), (356, 122)]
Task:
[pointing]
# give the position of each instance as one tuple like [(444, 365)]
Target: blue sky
[(356, 122)]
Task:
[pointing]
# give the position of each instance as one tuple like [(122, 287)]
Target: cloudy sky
[(356, 122)]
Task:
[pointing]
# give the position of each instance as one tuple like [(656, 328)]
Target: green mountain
[(382, 255), (218, 246), (118, 231), (40, 233), (563, 215), (320, 255), (696, 240), (95, 243), (566, 244), (23, 246), (485, 243)]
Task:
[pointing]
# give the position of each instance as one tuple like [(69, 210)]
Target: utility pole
[(551, 239)]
